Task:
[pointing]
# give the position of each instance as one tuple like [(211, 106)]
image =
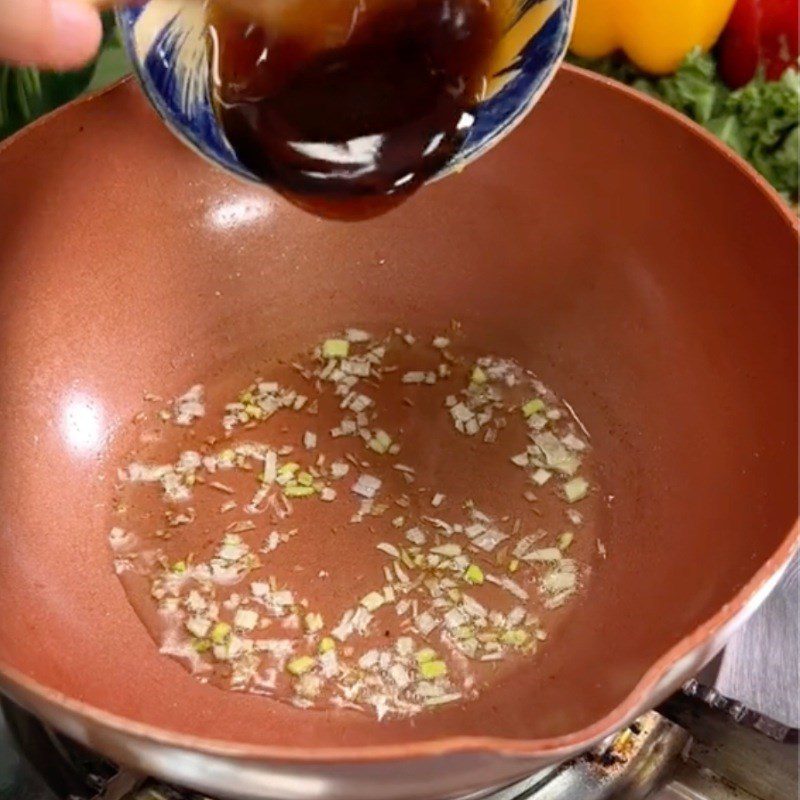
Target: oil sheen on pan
[(302, 530)]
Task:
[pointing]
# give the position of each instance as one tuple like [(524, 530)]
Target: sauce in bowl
[(349, 107)]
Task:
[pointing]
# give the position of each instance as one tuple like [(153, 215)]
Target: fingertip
[(75, 35)]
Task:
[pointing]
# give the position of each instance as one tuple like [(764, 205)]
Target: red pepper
[(759, 33)]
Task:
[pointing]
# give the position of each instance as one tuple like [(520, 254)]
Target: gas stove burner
[(696, 746)]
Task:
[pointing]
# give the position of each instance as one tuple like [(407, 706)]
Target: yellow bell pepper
[(655, 34)]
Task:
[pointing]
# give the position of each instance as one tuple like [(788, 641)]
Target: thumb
[(60, 34)]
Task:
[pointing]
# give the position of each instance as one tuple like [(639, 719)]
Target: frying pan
[(647, 275)]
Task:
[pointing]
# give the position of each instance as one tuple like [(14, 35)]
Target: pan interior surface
[(634, 268)]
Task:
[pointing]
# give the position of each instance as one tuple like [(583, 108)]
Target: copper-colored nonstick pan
[(643, 271)]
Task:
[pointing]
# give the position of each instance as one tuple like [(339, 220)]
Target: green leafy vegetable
[(759, 121)]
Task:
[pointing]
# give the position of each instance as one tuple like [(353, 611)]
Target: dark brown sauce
[(347, 107)]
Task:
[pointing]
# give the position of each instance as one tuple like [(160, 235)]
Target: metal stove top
[(732, 734)]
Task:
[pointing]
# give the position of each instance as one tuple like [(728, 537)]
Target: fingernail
[(76, 33)]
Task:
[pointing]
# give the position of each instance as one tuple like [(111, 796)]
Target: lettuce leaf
[(759, 121)]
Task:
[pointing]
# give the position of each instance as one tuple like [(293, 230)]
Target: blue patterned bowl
[(166, 42)]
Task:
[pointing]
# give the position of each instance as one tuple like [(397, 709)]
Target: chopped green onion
[(532, 407), (425, 655), (516, 638), (433, 669), (576, 489), (298, 491), (474, 575), (220, 632), (335, 348), (479, 377), (301, 665), (565, 540)]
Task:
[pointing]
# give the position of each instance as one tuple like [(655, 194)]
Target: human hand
[(59, 34)]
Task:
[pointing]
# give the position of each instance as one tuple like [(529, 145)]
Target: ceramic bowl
[(166, 42)]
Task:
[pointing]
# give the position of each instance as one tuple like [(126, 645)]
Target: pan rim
[(32, 693), (628, 708)]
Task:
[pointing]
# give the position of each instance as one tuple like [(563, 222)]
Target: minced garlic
[(443, 582)]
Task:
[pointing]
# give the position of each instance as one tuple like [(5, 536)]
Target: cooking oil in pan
[(361, 526)]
